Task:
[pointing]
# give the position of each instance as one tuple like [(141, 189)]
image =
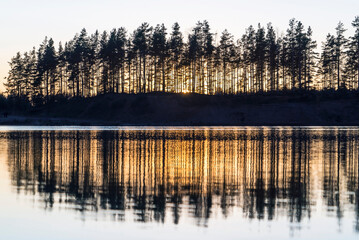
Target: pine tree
[(105, 59), (194, 52), (249, 59), (176, 46), (353, 51), (94, 63), (339, 44), (225, 49), (141, 43), (260, 48), (159, 48), (272, 56), (15, 77), (327, 62), (208, 54), (310, 58), (49, 64)]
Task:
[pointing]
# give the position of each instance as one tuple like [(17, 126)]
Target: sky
[(25, 23)]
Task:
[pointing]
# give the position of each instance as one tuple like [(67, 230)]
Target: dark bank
[(309, 108)]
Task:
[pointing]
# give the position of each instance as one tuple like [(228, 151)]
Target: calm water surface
[(179, 183)]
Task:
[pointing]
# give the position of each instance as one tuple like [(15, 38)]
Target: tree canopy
[(152, 59)]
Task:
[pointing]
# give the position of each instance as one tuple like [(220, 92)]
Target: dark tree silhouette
[(352, 65), (148, 60)]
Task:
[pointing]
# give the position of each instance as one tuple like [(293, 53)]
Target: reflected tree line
[(153, 59), (159, 175)]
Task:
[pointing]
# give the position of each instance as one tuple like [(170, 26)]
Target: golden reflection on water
[(156, 174)]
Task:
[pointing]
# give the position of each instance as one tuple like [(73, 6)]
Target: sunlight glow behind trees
[(154, 59)]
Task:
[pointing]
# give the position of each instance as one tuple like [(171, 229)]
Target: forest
[(154, 59)]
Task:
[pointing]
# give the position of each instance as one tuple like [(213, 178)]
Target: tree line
[(153, 60)]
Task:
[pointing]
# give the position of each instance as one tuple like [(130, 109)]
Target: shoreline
[(189, 110), (57, 122)]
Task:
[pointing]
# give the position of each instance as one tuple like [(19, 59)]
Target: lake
[(179, 182)]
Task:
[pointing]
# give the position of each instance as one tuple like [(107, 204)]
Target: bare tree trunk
[(224, 77), (47, 83), (144, 73), (163, 75), (139, 78), (338, 69), (194, 76), (155, 79)]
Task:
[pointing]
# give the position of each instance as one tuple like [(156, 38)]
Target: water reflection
[(153, 175)]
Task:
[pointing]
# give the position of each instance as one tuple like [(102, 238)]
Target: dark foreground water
[(179, 183)]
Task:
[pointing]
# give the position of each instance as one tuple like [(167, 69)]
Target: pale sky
[(25, 23)]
